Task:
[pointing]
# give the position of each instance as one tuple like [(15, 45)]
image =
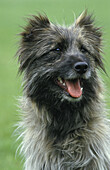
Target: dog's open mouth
[(72, 87)]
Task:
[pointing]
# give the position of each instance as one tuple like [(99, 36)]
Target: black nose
[(81, 67)]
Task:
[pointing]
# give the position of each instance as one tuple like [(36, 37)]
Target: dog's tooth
[(81, 88), (60, 80), (64, 84)]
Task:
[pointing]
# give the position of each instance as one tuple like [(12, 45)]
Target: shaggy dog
[(63, 123)]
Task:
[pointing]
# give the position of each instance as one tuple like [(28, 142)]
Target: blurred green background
[(12, 16)]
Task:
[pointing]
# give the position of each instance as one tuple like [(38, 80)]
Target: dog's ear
[(93, 34), (84, 20), (35, 26)]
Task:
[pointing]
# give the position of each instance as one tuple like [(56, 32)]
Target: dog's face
[(60, 63)]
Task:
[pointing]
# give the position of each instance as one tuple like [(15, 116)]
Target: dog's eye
[(57, 49), (83, 49)]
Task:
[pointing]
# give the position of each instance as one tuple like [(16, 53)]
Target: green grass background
[(12, 16)]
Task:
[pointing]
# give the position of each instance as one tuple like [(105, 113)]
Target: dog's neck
[(68, 117)]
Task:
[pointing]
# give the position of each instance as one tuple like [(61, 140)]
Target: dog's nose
[(81, 67)]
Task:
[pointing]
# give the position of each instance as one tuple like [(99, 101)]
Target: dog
[(63, 124)]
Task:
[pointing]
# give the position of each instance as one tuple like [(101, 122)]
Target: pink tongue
[(74, 88)]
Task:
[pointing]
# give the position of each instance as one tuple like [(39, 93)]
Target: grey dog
[(63, 124)]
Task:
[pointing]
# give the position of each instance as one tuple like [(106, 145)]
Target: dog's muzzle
[(74, 86)]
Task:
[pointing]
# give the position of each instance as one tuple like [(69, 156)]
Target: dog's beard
[(53, 86), (48, 91)]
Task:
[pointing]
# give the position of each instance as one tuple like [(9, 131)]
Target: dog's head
[(60, 63)]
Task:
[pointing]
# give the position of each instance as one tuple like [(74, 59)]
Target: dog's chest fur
[(78, 150)]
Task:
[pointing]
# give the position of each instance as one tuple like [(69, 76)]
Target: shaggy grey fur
[(59, 132)]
